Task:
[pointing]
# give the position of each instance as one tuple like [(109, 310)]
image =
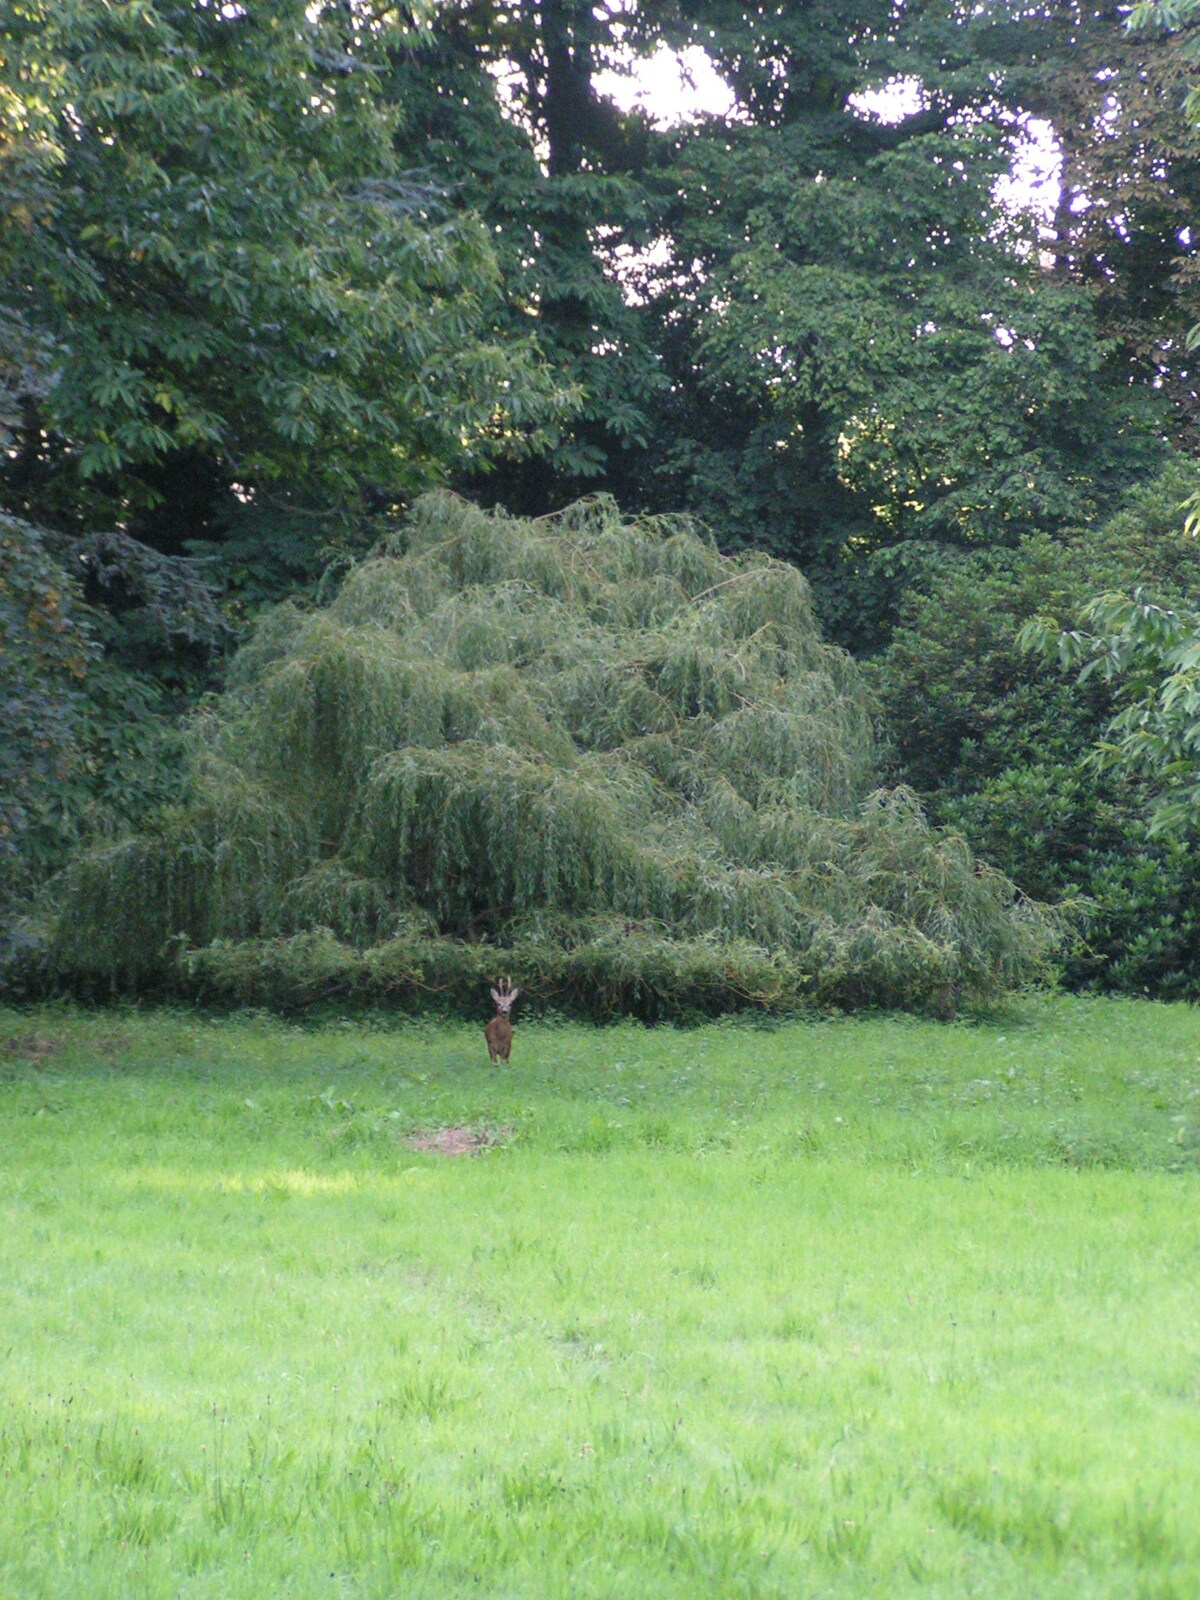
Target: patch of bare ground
[(35, 1047), (114, 1044), (462, 1141)]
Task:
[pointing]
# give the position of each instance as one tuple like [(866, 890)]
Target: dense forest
[(457, 516)]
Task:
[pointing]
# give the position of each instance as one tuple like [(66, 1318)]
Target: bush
[(996, 741), (516, 738)]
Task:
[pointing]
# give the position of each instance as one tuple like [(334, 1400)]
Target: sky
[(676, 87), (673, 86)]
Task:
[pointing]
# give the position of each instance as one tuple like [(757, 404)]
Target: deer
[(498, 1032)]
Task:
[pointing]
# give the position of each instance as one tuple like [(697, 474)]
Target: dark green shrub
[(996, 740), (86, 747)]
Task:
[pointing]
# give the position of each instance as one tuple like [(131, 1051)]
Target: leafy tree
[(233, 328), (45, 650), (596, 753), (222, 258), (497, 103), (999, 740), (872, 361), (1149, 652), (1110, 105), (89, 745), (1152, 655)]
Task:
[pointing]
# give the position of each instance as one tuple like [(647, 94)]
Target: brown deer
[(498, 1032)]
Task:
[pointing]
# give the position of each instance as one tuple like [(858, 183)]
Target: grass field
[(859, 1307)]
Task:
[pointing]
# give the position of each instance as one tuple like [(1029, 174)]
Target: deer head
[(504, 997)]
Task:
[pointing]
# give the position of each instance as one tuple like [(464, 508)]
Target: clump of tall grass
[(591, 750)]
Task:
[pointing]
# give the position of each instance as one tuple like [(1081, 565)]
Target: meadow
[(834, 1308)]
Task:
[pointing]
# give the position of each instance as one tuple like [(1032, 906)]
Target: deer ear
[(495, 997), (514, 994)]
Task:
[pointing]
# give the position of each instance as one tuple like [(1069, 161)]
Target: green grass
[(836, 1309)]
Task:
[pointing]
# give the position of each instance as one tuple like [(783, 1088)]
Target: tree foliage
[(89, 743), (233, 327), (613, 755), (874, 356), (999, 740), (268, 271), (45, 649), (1151, 654), (217, 247), (498, 103)]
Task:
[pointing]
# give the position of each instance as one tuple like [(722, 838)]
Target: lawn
[(842, 1308)]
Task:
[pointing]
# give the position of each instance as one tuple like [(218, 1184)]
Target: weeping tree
[(592, 753)]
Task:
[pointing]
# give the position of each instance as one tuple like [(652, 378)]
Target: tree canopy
[(821, 322), (213, 250), (234, 327)]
